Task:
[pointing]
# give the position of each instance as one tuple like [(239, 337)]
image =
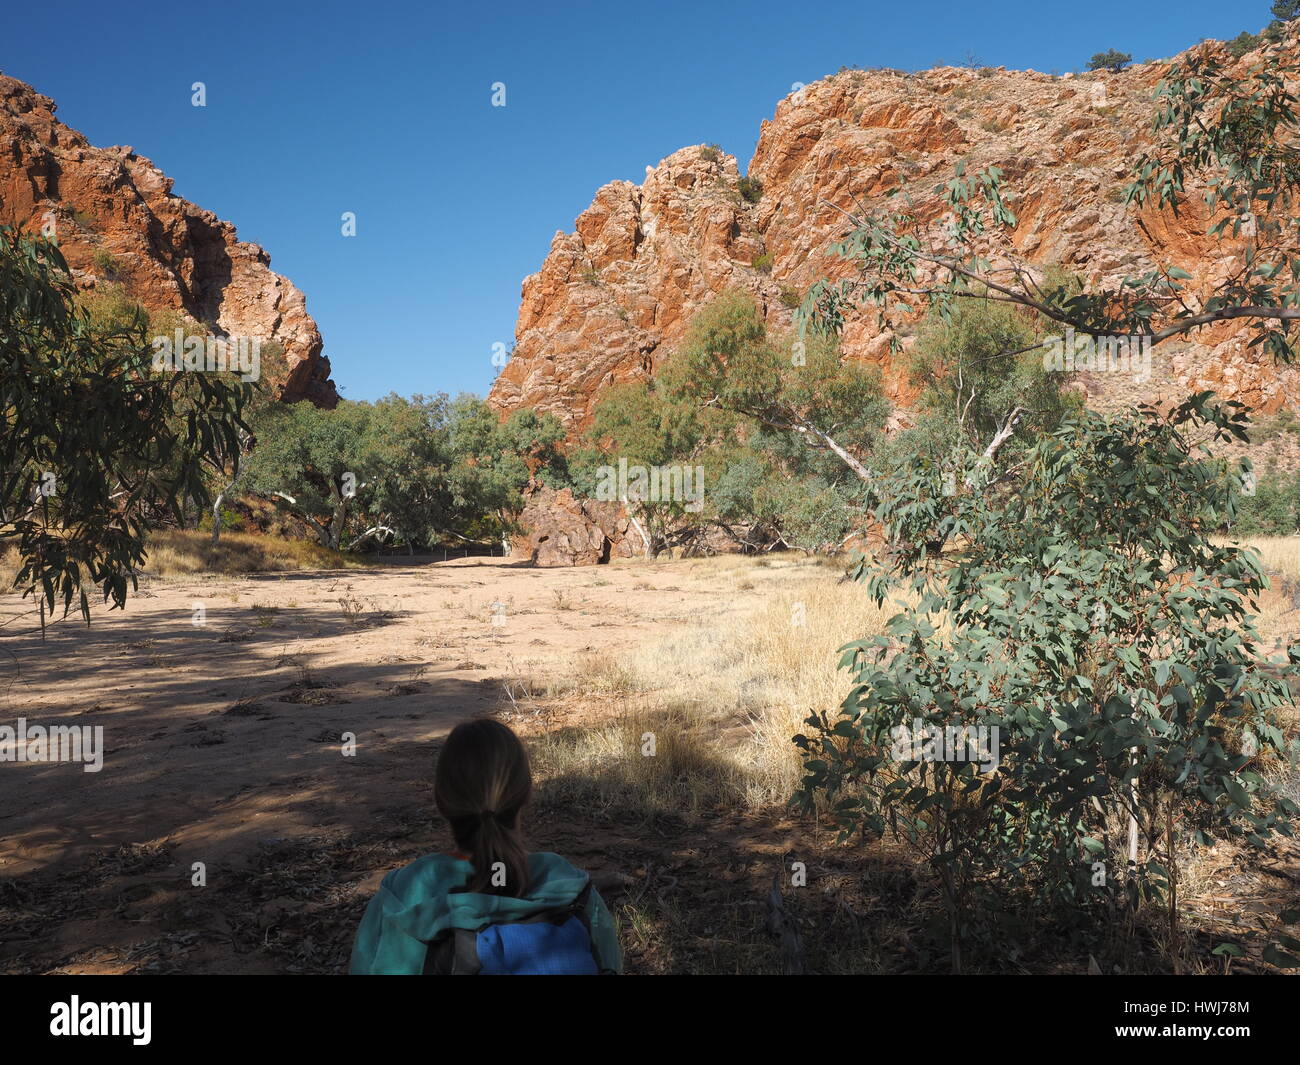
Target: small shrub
[(711, 153), (751, 189), (762, 263), (106, 265), (790, 296), (1269, 506), (1110, 60), (1244, 42)]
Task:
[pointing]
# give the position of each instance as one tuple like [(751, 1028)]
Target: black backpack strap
[(454, 953), (579, 910), (578, 907)]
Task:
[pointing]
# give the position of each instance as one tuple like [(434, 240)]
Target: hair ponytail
[(482, 784)]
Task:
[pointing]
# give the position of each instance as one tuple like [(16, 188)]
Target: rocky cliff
[(117, 221), (613, 297)]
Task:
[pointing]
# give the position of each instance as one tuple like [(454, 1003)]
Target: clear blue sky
[(384, 108)]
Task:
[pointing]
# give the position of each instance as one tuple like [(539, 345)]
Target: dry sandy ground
[(223, 741), (223, 746)]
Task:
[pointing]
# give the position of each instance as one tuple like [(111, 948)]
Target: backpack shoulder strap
[(454, 953)]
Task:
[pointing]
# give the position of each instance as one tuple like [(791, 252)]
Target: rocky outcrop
[(613, 297), (117, 221), (562, 530)]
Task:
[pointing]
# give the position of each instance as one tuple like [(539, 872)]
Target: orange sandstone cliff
[(117, 221), (613, 297)]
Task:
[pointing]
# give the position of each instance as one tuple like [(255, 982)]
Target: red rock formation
[(613, 298), (114, 213), (565, 531)]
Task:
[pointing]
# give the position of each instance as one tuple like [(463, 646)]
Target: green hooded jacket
[(416, 902)]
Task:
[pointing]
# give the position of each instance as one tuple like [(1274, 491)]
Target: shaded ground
[(224, 746)]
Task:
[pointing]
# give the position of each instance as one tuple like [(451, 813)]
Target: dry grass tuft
[(176, 552), (722, 702)]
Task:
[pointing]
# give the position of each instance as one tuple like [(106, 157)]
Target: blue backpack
[(556, 942)]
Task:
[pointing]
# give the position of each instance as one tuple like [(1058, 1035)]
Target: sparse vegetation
[(106, 265), (1244, 42), (1111, 60), (175, 552)]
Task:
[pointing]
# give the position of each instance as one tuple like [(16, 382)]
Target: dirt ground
[(224, 745)]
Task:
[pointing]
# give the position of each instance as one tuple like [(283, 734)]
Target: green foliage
[(1244, 42), (115, 445), (1268, 505), (417, 470), (494, 461), (792, 384), (762, 263), (1235, 134), (1285, 10), (312, 460), (711, 152), (790, 297), (1071, 595), (1110, 60), (753, 412), (1087, 616), (106, 265), (648, 424), (981, 361), (751, 189)]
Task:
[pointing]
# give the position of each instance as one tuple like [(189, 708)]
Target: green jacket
[(416, 902)]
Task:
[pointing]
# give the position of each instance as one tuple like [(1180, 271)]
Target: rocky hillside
[(118, 221), (613, 297)]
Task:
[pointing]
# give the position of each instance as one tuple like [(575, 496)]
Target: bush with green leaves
[(419, 469), (1088, 617), (1270, 505), (97, 447), (764, 415), (648, 424), (1244, 42), (1111, 59), (976, 361)]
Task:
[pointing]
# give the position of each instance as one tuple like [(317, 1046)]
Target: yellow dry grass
[(1279, 554), (708, 713), (174, 552)]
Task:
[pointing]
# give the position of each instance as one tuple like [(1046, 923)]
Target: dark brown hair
[(482, 783)]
